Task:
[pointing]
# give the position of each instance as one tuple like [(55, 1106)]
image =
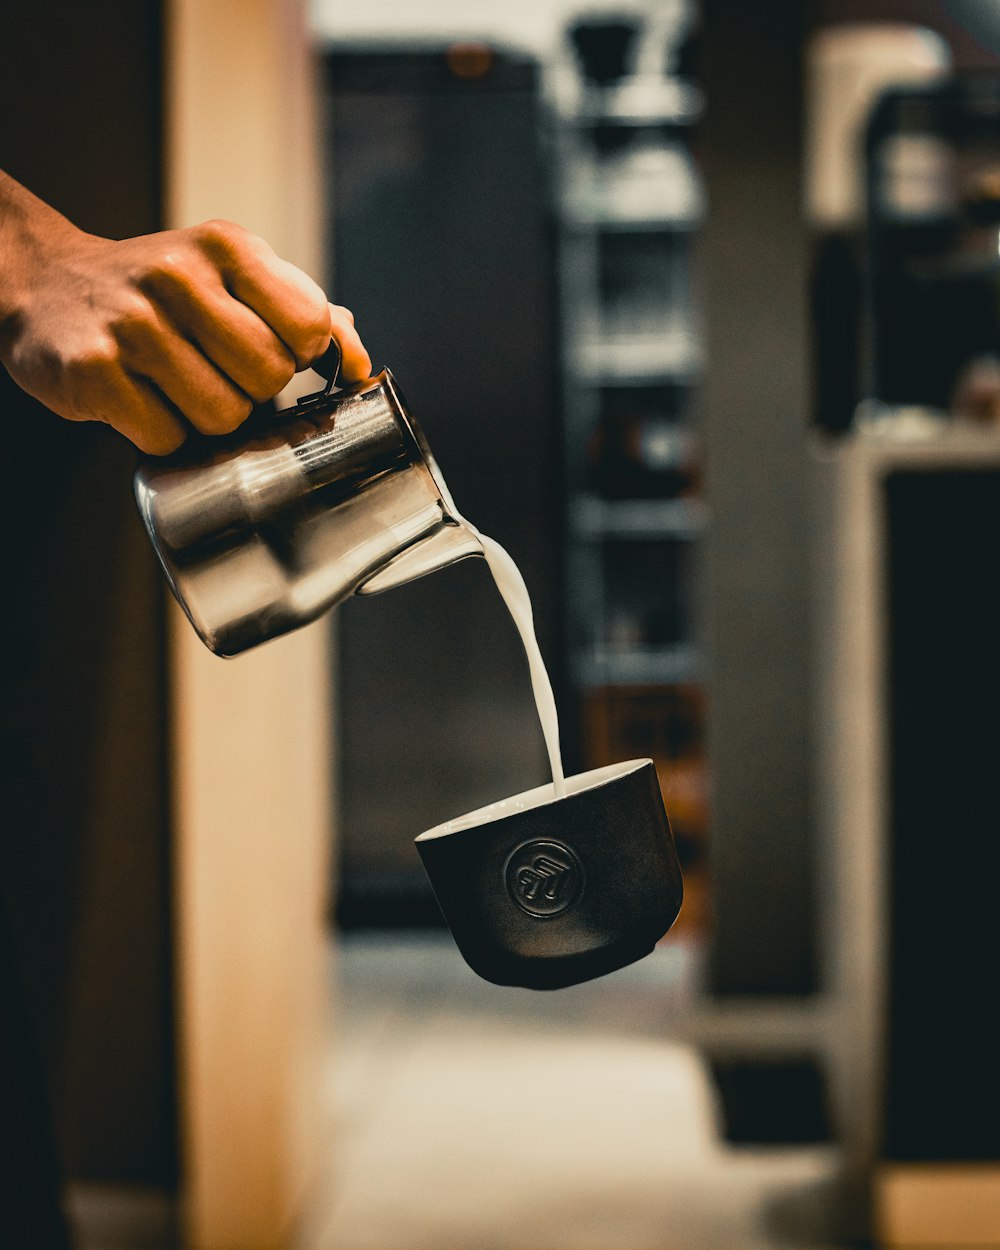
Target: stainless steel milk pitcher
[(262, 531)]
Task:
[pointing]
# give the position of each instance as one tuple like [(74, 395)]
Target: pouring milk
[(515, 595)]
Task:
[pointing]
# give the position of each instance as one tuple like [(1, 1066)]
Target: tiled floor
[(477, 1118)]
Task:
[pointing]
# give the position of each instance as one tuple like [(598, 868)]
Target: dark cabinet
[(440, 243)]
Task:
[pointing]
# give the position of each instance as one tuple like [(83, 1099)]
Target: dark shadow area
[(772, 1102)]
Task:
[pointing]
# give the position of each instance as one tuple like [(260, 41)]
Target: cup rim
[(534, 799)]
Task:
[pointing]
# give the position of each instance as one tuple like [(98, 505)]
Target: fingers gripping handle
[(328, 365)]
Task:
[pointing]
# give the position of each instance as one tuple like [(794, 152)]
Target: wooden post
[(251, 737)]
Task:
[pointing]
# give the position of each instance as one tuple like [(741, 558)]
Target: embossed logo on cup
[(544, 878)]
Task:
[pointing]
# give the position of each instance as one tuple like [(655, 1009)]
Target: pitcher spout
[(448, 544)]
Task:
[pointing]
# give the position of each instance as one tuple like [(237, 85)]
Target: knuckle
[(228, 414), (310, 337), (171, 269), (134, 321), (90, 379), (271, 378), (158, 441), (220, 236), (95, 361), (283, 375)]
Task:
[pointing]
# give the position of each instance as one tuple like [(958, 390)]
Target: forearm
[(29, 229)]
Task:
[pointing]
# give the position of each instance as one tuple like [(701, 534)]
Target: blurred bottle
[(649, 594), (665, 724), (847, 68), (638, 174), (605, 48), (641, 450), (934, 169)]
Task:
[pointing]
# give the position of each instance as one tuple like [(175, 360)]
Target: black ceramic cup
[(545, 892)]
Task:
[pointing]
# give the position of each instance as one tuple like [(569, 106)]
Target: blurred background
[(697, 304)]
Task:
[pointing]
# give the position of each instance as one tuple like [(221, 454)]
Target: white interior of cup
[(538, 797)]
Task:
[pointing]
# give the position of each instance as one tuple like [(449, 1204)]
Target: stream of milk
[(515, 595)]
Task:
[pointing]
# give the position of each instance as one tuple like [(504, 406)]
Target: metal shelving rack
[(629, 206)]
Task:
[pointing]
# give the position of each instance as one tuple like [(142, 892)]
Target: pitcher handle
[(328, 365)]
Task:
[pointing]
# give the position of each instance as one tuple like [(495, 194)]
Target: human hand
[(157, 334)]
